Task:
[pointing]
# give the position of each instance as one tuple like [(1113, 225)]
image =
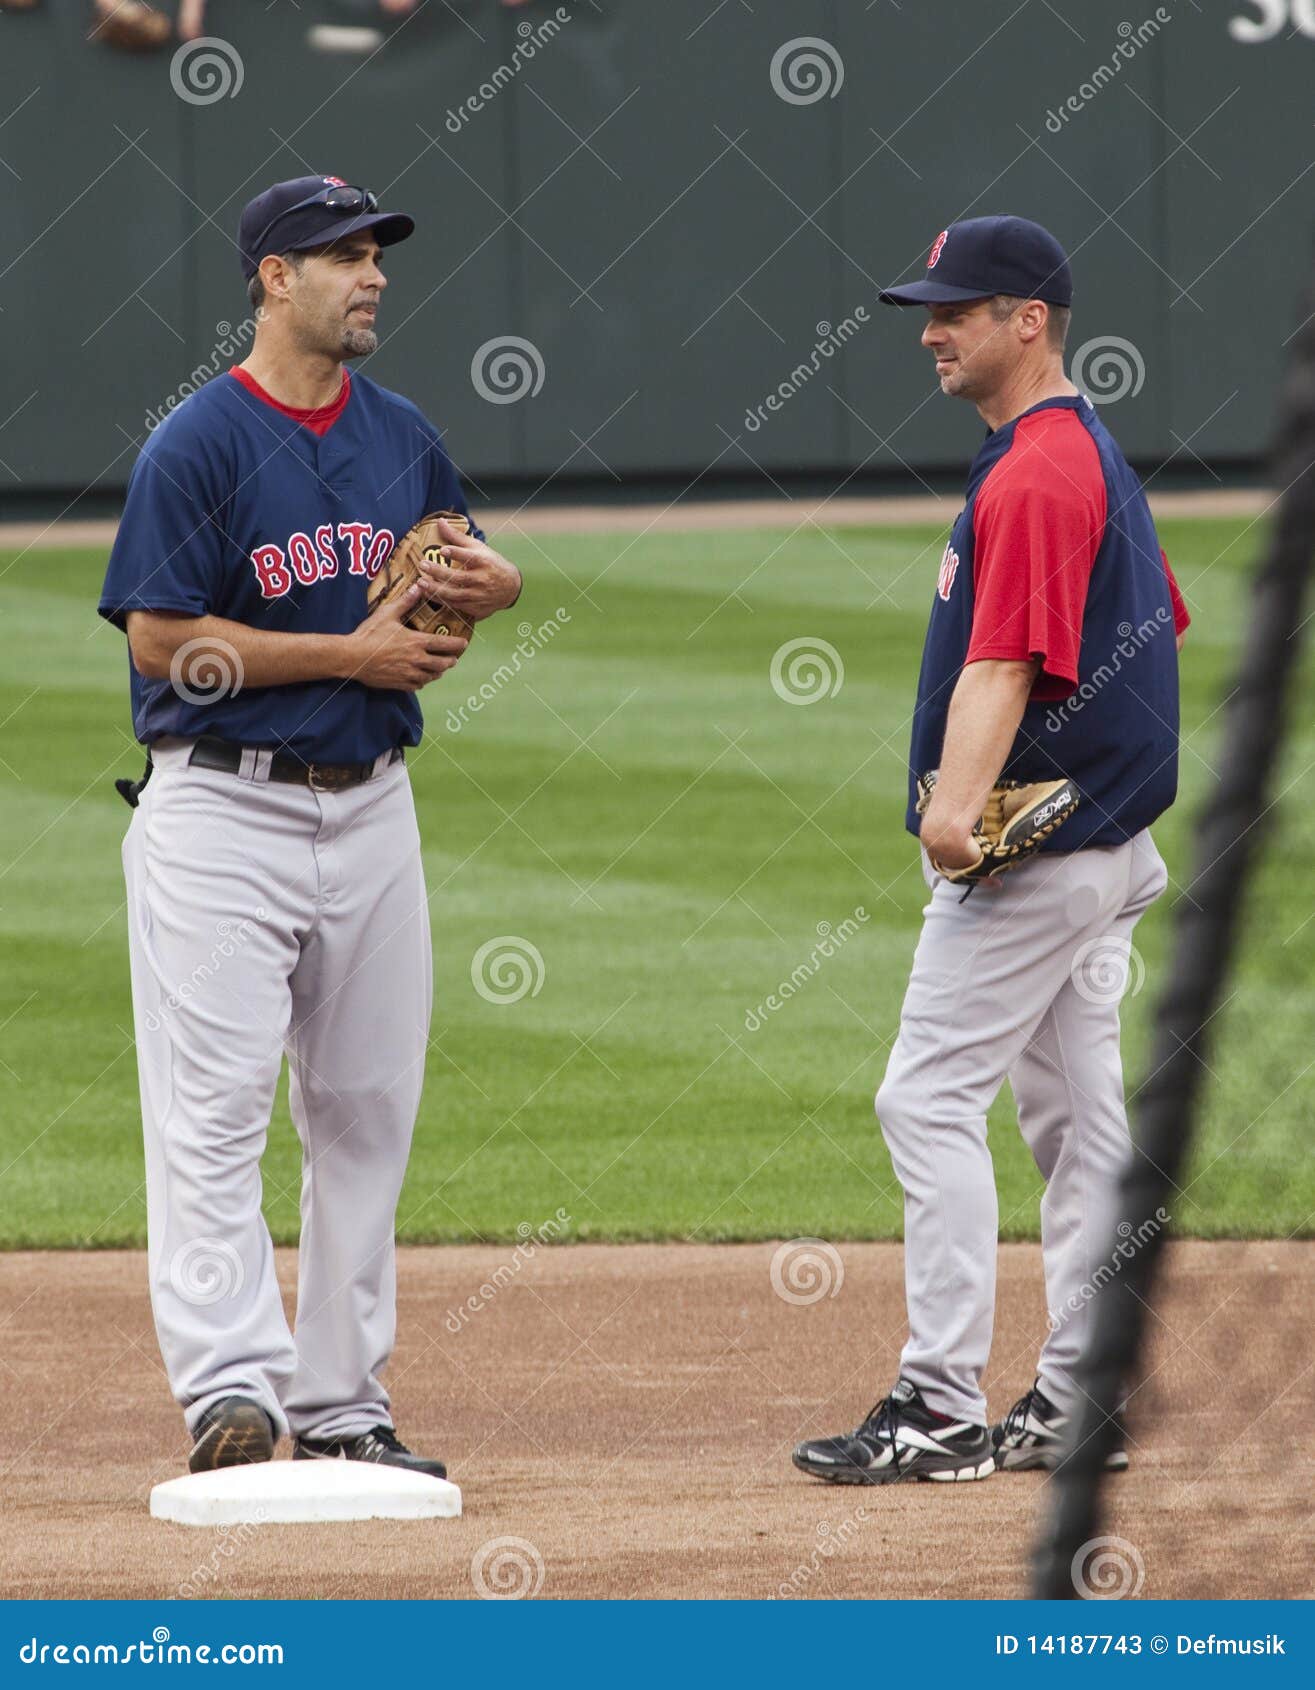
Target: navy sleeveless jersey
[(237, 510), (1055, 555)]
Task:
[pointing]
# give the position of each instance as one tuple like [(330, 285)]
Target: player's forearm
[(195, 649), (985, 711)]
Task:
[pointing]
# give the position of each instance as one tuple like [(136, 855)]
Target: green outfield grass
[(638, 805)]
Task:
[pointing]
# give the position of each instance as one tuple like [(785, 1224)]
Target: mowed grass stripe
[(635, 802)]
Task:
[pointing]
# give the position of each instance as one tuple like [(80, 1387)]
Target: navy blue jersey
[(1055, 556), (237, 510)]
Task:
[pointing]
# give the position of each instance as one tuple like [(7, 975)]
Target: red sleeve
[(1181, 620), (1037, 527)]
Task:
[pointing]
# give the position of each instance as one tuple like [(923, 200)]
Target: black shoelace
[(1016, 1419), (390, 1440), (881, 1425)]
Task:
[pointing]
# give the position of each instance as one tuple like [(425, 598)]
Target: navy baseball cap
[(312, 211), (983, 256)]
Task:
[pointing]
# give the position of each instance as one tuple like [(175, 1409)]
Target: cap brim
[(928, 293), (387, 227)]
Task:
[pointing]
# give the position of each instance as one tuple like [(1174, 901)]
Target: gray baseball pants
[(1023, 983), (265, 918)]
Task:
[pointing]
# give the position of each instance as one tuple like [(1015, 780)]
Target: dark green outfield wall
[(674, 239)]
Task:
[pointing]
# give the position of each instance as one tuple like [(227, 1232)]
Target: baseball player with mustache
[(276, 899)]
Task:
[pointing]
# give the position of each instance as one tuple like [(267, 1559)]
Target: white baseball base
[(276, 1492)]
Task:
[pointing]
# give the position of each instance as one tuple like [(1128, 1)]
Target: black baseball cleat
[(901, 1439), (380, 1444), (231, 1431), (1033, 1432)]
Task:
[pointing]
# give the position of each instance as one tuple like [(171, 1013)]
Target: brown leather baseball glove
[(1018, 816), (401, 569)]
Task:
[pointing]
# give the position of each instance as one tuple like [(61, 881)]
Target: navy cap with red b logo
[(983, 256)]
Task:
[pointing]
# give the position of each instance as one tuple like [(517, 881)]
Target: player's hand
[(480, 581), (951, 850), (383, 653)]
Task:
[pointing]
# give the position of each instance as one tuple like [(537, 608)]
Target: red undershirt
[(319, 419)]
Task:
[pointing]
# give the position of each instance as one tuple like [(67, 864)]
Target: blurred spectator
[(140, 28), (399, 6), (130, 24)]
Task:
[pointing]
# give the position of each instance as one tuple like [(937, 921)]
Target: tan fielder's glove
[(401, 570), (1017, 817)]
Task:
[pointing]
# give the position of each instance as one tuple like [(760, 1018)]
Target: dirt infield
[(690, 515), (627, 1413)]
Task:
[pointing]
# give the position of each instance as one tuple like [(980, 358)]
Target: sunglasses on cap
[(350, 201)]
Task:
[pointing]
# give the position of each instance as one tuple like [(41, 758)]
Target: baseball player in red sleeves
[(276, 900), (1045, 744)]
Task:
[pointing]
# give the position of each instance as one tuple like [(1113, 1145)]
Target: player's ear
[(1032, 319), (277, 275)]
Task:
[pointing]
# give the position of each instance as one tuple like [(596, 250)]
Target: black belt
[(222, 754)]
